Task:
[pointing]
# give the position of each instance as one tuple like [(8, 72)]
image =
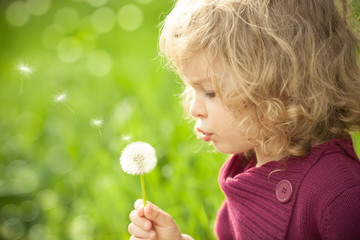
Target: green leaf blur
[(79, 80)]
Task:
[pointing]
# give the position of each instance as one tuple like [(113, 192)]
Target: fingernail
[(152, 235), (149, 210), (147, 225)]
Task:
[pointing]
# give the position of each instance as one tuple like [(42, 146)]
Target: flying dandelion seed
[(97, 123), (138, 158), (25, 72), (126, 138), (61, 98)]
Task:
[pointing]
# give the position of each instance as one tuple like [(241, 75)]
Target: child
[(276, 83)]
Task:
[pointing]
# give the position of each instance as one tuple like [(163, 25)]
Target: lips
[(204, 135)]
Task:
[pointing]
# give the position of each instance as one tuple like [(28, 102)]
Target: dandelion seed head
[(138, 158)]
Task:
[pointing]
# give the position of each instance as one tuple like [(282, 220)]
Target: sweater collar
[(253, 191)]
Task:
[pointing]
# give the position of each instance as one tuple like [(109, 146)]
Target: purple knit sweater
[(312, 197)]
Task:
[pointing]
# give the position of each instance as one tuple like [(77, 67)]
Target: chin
[(227, 149), (224, 150)]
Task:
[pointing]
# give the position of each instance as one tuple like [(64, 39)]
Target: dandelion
[(61, 98), (138, 158), (25, 72), (97, 123)]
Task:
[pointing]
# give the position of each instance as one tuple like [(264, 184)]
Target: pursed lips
[(204, 135)]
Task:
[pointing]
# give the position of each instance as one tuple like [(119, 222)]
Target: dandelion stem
[(21, 86), (69, 108), (99, 131), (143, 188)]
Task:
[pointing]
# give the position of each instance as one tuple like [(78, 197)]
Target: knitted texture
[(324, 201)]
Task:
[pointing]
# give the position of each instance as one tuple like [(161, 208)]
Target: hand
[(150, 222)]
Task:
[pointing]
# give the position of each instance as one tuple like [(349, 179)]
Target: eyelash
[(210, 94)]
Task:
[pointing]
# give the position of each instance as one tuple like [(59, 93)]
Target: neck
[(261, 158)]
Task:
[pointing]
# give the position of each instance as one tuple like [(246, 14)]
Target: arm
[(153, 223)]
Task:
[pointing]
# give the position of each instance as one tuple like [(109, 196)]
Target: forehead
[(195, 68), (198, 70)]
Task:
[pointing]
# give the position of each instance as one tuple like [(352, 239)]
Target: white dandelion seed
[(25, 71), (138, 158), (97, 123), (126, 138), (62, 98)]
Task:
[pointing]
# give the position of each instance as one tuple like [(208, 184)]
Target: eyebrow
[(198, 81)]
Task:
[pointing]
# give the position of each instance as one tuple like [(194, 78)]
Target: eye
[(210, 94)]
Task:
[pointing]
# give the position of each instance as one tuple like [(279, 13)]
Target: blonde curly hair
[(293, 62)]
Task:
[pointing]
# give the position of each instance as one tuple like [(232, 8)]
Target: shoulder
[(332, 185), (334, 171)]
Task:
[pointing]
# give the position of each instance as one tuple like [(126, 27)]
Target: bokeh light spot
[(166, 171), (29, 211), (103, 20), (130, 17), (99, 63), (48, 199), (12, 229), (97, 3), (10, 211), (52, 36), (104, 184), (58, 161), (123, 110), (17, 14), (37, 231), (82, 228), (69, 50), (67, 18), (21, 179), (38, 7)]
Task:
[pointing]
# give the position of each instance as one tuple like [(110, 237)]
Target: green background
[(60, 177)]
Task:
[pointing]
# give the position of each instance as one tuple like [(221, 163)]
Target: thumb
[(157, 216)]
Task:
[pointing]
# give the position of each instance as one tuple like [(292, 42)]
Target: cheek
[(232, 146)]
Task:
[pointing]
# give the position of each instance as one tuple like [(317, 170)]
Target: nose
[(197, 108)]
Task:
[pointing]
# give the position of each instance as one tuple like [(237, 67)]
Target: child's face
[(215, 122)]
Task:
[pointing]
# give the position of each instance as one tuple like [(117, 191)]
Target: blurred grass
[(61, 179)]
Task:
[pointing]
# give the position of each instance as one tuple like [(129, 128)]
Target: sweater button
[(283, 191)]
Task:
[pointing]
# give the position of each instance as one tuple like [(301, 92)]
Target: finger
[(140, 221), (140, 211), (138, 203), (158, 216), (139, 207), (139, 232), (136, 238)]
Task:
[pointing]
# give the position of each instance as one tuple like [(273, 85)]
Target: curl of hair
[(294, 65)]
